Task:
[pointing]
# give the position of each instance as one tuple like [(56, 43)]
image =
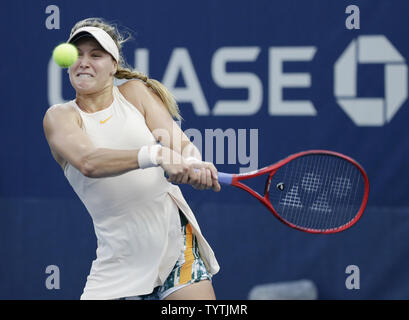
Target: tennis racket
[(315, 191)]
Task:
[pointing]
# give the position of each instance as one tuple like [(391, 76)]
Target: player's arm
[(67, 140), (158, 119), (166, 130)]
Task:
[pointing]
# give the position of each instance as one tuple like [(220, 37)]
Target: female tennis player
[(106, 141)]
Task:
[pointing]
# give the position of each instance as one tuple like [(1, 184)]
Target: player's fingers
[(187, 174), (190, 176), (209, 182), (182, 174), (185, 178), (176, 178), (171, 178), (213, 170), (202, 179), (216, 185), (194, 177)]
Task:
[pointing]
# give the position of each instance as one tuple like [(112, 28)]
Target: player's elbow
[(87, 168)]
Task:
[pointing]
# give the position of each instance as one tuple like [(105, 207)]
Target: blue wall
[(43, 223)]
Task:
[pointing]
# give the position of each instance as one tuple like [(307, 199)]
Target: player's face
[(94, 68)]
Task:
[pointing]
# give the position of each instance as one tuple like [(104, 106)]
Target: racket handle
[(225, 178)]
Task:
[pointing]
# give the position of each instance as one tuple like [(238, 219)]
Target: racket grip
[(225, 178)]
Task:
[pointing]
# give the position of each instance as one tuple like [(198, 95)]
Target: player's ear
[(115, 68)]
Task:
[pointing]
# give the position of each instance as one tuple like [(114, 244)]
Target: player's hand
[(176, 168), (203, 175)]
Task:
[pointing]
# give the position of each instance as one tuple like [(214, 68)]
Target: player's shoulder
[(134, 91), (62, 110), (133, 84)]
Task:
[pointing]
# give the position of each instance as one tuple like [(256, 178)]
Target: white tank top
[(135, 214)]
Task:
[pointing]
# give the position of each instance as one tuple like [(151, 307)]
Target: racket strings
[(321, 192)]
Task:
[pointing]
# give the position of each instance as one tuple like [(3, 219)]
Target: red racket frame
[(273, 169)]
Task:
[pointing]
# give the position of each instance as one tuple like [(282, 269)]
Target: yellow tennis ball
[(65, 55)]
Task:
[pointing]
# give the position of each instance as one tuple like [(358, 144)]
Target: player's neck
[(96, 101)]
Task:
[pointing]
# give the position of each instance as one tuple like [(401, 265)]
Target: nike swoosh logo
[(103, 121)]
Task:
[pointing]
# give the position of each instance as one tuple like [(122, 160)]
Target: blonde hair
[(124, 71)]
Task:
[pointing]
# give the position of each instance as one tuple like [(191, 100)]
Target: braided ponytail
[(158, 88)]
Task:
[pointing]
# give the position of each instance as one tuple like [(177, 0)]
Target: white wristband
[(147, 156)]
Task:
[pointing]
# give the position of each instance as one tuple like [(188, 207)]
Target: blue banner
[(255, 81)]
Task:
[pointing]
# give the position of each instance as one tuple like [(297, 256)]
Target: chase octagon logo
[(370, 111)]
